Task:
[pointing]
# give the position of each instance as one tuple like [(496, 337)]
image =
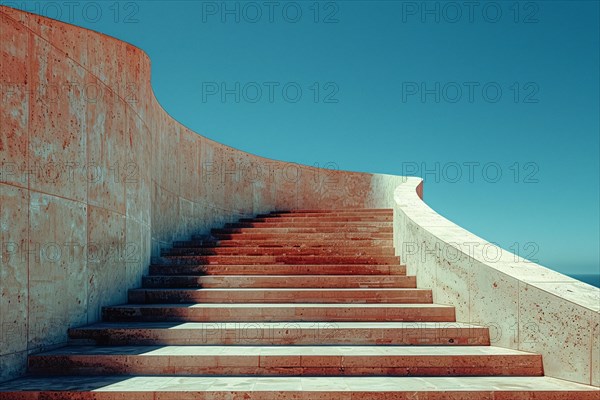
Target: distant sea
[(593, 280)]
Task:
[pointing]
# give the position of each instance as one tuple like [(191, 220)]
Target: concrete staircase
[(306, 304)]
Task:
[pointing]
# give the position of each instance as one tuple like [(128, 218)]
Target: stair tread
[(286, 350), (280, 305), (300, 325), (272, 281), (283, 265), (295, 384), (323, 277), (235, 289)]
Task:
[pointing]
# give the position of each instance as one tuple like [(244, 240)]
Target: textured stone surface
[(14, 97), (106, 259), (525, 305), (400, 388), (57, 268), (289, 360), (14, 279)]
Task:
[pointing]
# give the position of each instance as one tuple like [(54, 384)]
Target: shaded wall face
[(95, 177)]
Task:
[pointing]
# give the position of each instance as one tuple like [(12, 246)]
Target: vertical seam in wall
[(126, 134), (470, 275), (518, 330), (29, 119), (591, 355), (86, 273)]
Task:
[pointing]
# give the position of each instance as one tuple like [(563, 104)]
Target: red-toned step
[(340, 214), (235, 312), (314, 218), (361, 211), (274, 281), (261, 251), (325, 216), (289, 360), (284, 243), (230, 387), (283, 333), (279, 269), (303, 236), (283, 259), (293, 229), (303, 224), (284, 295)]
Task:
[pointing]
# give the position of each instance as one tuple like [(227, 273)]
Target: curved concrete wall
[(96, 177), (526, 306)]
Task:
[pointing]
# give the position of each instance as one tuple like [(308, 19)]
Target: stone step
[(118, 387), (324, 243), (279, 269), (327, 215), (282, 333), (279, 259), (275, 224), (300, 236), (311, 230), (252, 295), (365, 211), (320, 218), (290, 281), (319, 214), (265, 251), (245, 312), (288, 360)]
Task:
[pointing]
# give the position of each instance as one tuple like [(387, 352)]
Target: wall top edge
[(472, 247), (12, 12)]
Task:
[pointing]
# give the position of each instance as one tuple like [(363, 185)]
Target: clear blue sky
[(402, 87)]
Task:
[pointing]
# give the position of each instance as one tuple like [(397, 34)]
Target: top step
[(318, 218), (338, 211), (323, 214)]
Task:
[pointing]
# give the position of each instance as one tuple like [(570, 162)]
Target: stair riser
[(285, 243), (283, 259), (313, 218), (264, 365), (382, 314), (275, 224), (292, 281), (360, 214), (364, 212), (311, 230), (239, 394), (300, 236), (154, 296), (320, 217), (265, 334), (261, 251), (326, 269)]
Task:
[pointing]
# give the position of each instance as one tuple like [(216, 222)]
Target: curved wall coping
[(562, 286), (526, 306)]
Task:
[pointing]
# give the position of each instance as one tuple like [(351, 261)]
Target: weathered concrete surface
[(96, 177), (527, 307)]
